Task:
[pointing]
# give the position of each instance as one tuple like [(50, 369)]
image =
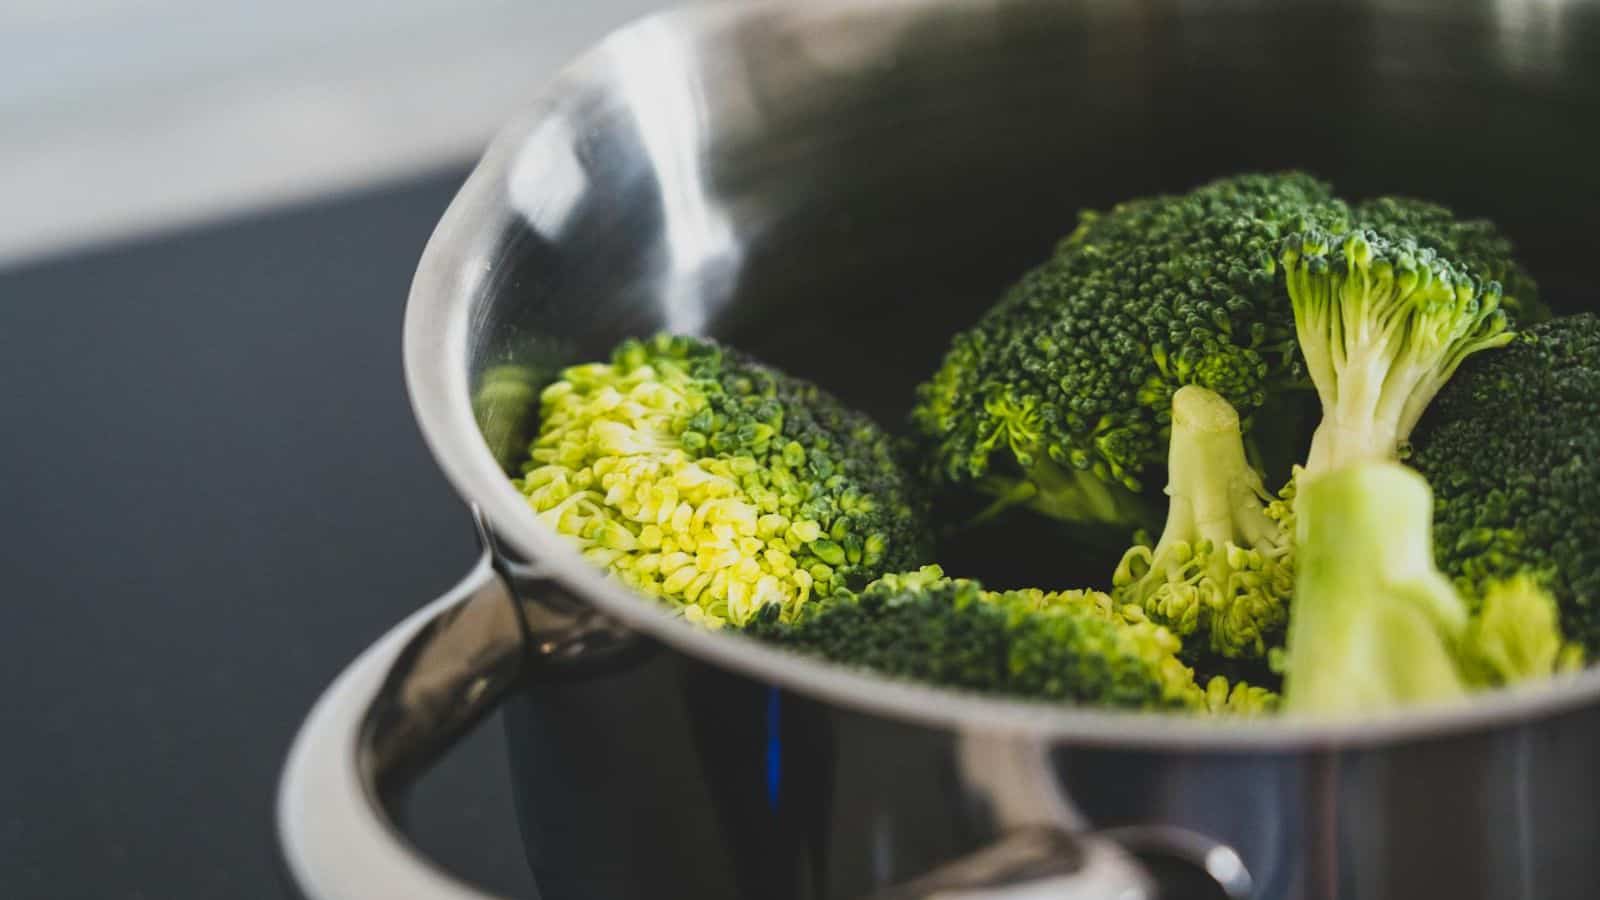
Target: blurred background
[(123, 117), (213, 493)]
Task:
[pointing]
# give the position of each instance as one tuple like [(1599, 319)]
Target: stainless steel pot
[(837, 187)]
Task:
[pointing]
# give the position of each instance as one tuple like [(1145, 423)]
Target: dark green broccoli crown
[(1073, 645), (712, 481), (1476, 246), (1078, 362), (1511, 447)]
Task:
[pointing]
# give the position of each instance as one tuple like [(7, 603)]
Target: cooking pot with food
[(837, 187)]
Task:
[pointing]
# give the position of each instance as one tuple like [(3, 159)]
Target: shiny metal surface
[(836, 187), (1032, 863), (405, 700), (336, 840)]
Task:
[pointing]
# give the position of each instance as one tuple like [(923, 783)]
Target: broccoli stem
[(1062, 492), (1221, 565), (1216, 495), (1382, 326), (1374, 624)]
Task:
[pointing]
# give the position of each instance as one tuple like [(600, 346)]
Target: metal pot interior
[(839, 188)]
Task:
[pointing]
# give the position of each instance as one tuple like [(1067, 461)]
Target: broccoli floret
[(1238, 698), (1476, 246), (1069, 645), (1375, 625), (718, 484), (1382, 324), (1222, 568), (1512, 449), (1515, 635), (1058, 398)]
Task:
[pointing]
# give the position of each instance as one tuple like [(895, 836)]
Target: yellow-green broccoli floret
[(717, 484), (1516, 635)]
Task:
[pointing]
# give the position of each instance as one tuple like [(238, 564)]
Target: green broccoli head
[(711, 481), (1222, 569), (1382, 324), (1058, 398), (1476, 246), (1078, 646), (1512, 449)]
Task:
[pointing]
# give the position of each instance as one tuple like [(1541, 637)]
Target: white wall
[(119, 117)]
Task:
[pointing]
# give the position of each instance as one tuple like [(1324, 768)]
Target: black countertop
[(214, 497)]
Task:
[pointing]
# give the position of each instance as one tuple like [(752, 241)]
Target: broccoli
[(1375, 625), (1512, 450), (1382, 324), (1058, 398), (1516, 636), (1186, 337), (1222, 567), (1070, 645), (1475, 245), (704, 478)]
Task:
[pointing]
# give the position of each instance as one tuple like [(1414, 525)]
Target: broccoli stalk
[(1374, 624), (1222, 567), (1061, 492), (1382, 325)]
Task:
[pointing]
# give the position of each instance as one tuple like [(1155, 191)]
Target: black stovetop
[(214, 496)]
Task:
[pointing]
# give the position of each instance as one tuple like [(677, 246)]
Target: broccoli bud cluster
[(712, 482)]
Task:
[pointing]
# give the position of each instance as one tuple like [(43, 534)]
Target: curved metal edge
[(336, 842), (458, 257), (1029, 864), (1217, 860), (1045, 861)]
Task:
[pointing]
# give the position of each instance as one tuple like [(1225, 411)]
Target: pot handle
[(395, 710), (1133, 863)]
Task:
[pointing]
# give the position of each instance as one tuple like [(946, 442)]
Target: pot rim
[(459, 260)]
